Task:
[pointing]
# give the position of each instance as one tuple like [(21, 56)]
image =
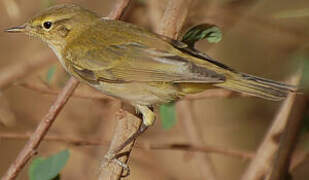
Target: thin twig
[(144, 146), (196, 148), (261, 166), (30, 148)]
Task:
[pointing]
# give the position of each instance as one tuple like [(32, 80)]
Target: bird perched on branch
[(135, 65)]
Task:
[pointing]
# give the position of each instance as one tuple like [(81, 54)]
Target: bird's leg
[(148, 119)]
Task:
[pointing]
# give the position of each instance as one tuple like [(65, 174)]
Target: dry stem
[(143, 146), (261, 165), (127, 124), (288, 140)]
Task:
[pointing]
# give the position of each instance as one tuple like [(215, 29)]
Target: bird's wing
[(133, 62), (194, 52)]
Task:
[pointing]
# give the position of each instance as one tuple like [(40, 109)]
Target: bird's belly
[(140, 93)]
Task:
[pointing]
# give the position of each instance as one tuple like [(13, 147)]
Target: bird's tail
[(257, 86)]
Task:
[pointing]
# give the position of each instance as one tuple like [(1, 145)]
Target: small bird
[(134, 64)]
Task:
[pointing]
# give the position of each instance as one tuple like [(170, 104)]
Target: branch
[(127, 124), (30, 148), (261, 166), (174, 18), (119, 9), (300, 157), (143, 146), (289, 140)]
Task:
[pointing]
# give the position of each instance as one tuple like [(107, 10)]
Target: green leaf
[(50, 73), (203, 31), (48, 168), (168, 115), (296, 13)]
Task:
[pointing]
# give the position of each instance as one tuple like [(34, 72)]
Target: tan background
[(253, 42)]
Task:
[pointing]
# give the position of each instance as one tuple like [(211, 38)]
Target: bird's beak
[(16, 29)]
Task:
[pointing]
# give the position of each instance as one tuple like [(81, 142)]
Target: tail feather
[(257, 86)]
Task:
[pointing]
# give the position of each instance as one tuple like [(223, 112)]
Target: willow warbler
[(135, 65)]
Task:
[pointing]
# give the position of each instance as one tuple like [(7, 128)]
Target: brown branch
[(119, 9), (127, 124), (143, 146), (22, 69), (56, 138), (261, 165), (30, 148), (300, 157), (289, 140), (203, 149), (173, 19)]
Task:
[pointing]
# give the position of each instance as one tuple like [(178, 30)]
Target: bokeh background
[(265, 38)]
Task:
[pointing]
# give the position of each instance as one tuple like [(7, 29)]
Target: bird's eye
[(47, 24)]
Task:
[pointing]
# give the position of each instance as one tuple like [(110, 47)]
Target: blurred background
[(264, 38)]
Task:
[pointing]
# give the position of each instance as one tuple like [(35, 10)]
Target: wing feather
[(134, 62)]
